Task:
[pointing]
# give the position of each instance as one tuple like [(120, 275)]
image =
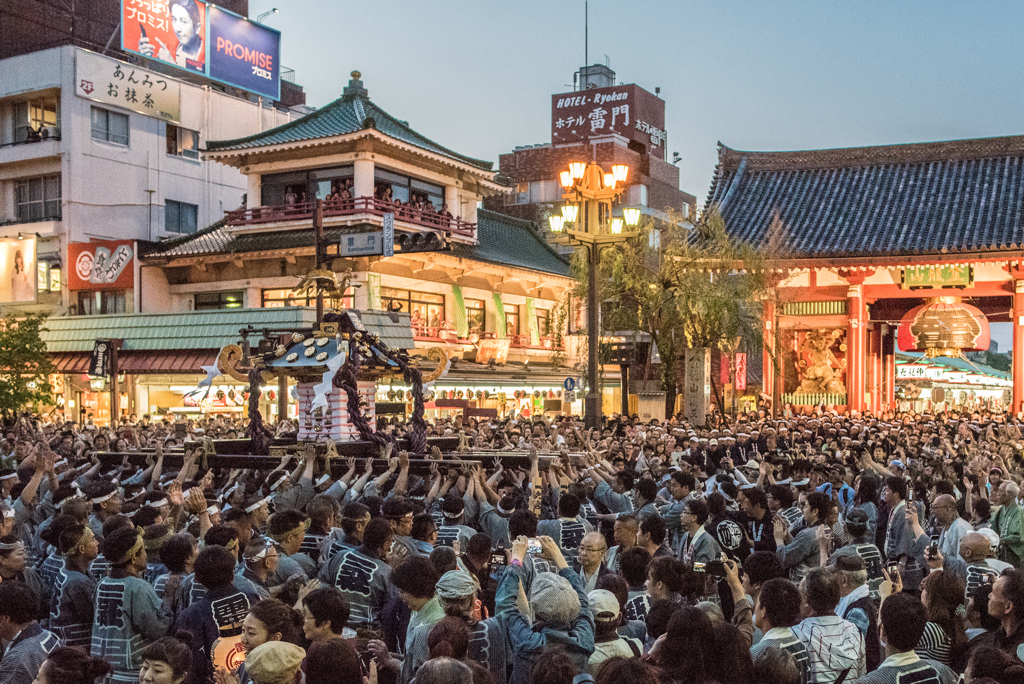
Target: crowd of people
[(800, 550)]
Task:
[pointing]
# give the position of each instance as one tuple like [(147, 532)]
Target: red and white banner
[(101, 265)]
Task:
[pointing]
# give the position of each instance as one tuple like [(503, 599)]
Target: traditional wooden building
[(485, 288), (880, 249)]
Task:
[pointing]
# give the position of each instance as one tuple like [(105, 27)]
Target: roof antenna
[(585, 78)]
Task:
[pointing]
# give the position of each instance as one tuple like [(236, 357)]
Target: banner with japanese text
[(101, 265), (172, 32), (109, 81)]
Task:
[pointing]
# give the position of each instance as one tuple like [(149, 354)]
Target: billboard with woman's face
[(17, 270), (171, 31), (205, 39)]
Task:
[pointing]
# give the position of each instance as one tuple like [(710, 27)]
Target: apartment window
[(30, 118), (426, 309), (278, 299), (511, 319), (209, 301), (180, 217), (534, 192), (182, 142), (522, 194), (543, 322), (475, 315), (48, 276), (38, 199), (109, 126), (102, 302)]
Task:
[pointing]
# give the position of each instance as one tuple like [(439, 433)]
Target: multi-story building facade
[(485, 288), (96, 157), (608, 123)]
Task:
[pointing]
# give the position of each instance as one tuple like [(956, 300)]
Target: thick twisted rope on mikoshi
[(417, 425), (347, 379), (257, 431)]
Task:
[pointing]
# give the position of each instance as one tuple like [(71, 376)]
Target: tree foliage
[(25, 365), (688, 285)]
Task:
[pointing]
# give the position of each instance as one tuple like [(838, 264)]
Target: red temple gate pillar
[(1017, 363), (855, 351), (767, 362), (888, 367), (874, 367), (856, 337)]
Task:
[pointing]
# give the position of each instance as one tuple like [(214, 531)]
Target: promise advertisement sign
[(244, 54), (202, 38)]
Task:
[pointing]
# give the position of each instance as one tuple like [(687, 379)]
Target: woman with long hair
[(21, 283), (685, 650), (944, 638)]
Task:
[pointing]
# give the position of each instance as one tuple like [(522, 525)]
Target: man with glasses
[(954, 528), (398, 511), (592, 550)]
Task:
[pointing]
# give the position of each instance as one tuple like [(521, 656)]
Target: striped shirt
[(908, 668), (934, 644), (783, 639), (834, 645)]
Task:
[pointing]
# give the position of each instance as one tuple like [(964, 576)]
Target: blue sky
[(755, 75)]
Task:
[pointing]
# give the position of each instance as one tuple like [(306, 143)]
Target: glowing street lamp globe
[(632, 216), (620, 171), (557, 223), (570, 212)]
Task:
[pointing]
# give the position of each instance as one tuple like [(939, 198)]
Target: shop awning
[(142, 363), (193, 330)]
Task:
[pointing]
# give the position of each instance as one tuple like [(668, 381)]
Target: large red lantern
[(944, 326)]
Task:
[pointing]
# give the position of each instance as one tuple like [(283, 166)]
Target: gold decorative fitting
[(280, 350), (297, 337)]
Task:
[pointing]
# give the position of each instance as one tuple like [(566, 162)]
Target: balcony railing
[(348, 207), (445, 334)]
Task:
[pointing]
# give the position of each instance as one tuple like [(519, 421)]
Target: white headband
[(252, 507), (8, 476), (212, 510), (279, 482), (323, 478), (158, 504), (105, 497)]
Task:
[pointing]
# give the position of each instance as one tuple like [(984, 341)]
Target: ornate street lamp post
[(587, 221)]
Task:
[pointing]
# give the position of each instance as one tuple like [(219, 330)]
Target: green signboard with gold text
[(938, 275)]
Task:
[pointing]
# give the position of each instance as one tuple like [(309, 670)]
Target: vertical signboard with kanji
[(697, 390), (741, 371), (389, 234), (115, 83)]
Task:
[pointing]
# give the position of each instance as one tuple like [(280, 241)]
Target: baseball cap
[(604, 605)]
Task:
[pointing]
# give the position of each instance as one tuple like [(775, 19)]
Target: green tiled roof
[(200, 329), (348, 114), (512, 242), (960, 364), (501, 240)]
